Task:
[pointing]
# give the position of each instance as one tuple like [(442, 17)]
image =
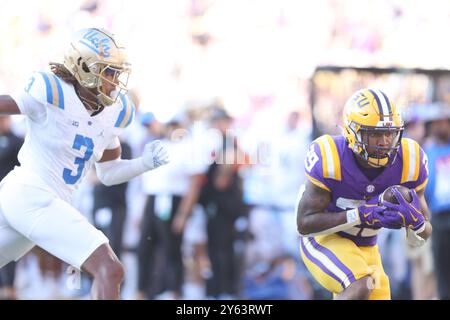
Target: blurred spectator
[(227, 220), (272, 215), (276, 279), (171, 195), (437, 194), (10, 145)]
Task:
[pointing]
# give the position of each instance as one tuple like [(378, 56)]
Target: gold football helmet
[(369, 113), (94, 56)]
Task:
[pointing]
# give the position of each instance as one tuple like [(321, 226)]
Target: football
[(387, 194)]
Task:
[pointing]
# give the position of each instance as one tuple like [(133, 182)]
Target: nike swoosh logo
[(414, 218)]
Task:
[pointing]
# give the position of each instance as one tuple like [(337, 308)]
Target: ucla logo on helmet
[(97, 44)]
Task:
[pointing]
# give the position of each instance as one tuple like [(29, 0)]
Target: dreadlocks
[(61, 71)]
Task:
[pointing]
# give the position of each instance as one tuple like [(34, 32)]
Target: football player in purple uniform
[(339, 213)]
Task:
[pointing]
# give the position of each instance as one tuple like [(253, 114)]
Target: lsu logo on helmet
[(369, 112)]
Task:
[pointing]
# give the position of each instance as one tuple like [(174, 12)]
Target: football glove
[(410, 212), (154, 155), (374, 216)]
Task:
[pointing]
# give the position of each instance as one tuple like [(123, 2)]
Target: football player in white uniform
[(74, 116)]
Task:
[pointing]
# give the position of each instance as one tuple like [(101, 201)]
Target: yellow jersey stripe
[(324, 158), (55, 93), (421, 186), (317, 183), (411, 160), (406, 158), (335, 157), (417, 164), (331, 166)]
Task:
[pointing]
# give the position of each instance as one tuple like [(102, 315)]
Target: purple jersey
[(332, 166)]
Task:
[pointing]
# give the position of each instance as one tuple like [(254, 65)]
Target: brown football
[(387, 195)]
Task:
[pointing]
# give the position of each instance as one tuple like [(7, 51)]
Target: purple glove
[(374, 216), (410, 212)]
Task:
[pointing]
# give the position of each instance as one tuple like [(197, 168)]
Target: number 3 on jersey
[(80, 141)]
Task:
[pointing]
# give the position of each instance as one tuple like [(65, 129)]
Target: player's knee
[(363, 288), (111, 271), (358, 290), (116, 271)]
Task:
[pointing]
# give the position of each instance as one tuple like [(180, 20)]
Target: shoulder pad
[(46, 88), (126, 115), (331, 163), (411, 160)]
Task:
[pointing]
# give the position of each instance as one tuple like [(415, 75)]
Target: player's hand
[(374, 216), (410, 212), (179, 223), (154, 155)]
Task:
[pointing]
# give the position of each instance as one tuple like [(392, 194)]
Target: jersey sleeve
[(126, 114), (322, 163), (32, 99), (113, 144), (415, 165)]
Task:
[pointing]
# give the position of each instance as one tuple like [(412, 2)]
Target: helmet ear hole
[(85, 67)]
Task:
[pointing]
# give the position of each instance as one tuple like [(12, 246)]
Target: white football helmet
[(94, 53)]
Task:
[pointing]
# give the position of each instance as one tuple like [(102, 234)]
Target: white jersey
[(63, 140)]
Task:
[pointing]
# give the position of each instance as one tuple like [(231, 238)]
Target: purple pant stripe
[(334, 259), (320, 264)]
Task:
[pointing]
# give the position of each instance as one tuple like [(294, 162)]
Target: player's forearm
[(8, 105), (326, 222), (119, 171), (191, 197)]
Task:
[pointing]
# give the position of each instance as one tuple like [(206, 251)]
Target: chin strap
[(377, 162), (97, 111)]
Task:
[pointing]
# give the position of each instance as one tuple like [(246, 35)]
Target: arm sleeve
[(119, 171)]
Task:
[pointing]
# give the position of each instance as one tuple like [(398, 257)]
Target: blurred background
[(263, 78)]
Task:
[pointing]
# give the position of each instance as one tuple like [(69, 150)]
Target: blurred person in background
[(172, 193), (227, 221), (292, 145), (272, 213), (74, 114), (10, 145), (438, 150)]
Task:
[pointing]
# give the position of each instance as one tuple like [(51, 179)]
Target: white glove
[(413, 238), (154, 155)]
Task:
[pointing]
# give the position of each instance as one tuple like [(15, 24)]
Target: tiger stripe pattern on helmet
[(384, 106)]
